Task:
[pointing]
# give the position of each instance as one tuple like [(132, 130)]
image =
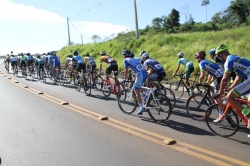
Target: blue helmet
[(212, 51)]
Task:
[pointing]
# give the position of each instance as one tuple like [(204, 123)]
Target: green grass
[(165, 47)]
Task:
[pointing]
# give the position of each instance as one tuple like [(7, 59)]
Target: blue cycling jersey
[(77, 59), (55, 59), (134, 64), (212, 68), (156, 66), (238, 64)]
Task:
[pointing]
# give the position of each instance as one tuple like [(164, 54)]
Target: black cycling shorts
[(81, 66), (111, 68)]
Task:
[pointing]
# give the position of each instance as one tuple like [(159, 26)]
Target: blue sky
[(38, 26)]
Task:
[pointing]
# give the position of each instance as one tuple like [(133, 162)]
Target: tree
[(157, 23), (205, 3), (185, 12), (96, 38), (241, 9), (172, 21)]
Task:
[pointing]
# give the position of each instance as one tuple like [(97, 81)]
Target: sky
[(39, 26)]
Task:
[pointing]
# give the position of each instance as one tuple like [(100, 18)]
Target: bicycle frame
[(238, 112), (112, 86)]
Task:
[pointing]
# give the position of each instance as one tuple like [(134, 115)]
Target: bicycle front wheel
[(196, 106), (160, 108), (127, 101), (227, 126), (178, 89), (106, 88)]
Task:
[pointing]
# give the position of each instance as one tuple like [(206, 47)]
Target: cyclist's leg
[(108, 71), (140, 79), (92, 68), (189, 70)]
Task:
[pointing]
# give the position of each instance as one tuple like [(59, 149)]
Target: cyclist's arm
[(125, 73), (237, 81), (100, 68), (177, 69), (202, 76), (224, 82)]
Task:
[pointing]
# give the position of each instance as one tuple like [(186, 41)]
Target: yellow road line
[(157, 138)]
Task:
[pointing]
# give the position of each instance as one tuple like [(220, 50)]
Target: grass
[(165, 47)]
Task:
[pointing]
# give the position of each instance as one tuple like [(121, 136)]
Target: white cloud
[(100, 28), (19, 12)]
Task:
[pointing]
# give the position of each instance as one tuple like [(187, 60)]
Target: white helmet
[(181, 55), (145, 55)]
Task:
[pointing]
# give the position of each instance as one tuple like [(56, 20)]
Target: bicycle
[(82, 82), (229, 123), (108, 86), (179, 86), (41, 73), (15, 69), (98, 81), (164, 91), (197, 104), (158, 107)]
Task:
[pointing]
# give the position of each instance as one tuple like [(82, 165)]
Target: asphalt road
[(37, 131)]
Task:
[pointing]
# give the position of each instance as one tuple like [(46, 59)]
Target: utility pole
[(68, 31), (205, 3), (81, 38), (136, 22)]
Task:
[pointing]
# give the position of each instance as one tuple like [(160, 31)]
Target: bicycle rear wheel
[(227, 127), (86, 86), (127, 101), (177, 88), (171, 96), (159, 109), (197, 109)]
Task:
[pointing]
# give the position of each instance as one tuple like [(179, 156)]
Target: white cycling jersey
[(13, 59)]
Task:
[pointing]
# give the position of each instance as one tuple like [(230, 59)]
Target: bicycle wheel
[(171, 96), (127, 101), (98, 82), (119, 87), (224, 127), (86, 87), (106, 88), (178, 89), (196, 108), (159, 109)]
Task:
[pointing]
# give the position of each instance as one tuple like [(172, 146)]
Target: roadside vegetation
[(166, 37)]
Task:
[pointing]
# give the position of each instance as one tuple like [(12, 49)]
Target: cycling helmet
[(48, 53), (87, 54), (28, 54), (11, 52), (212, 51), (145, 55), (221, 48), (126, 53), (22, 54), (180, 54), (38, 56), (200, 54), (132, 55), (142, 52), (103, 53), (75, 52)]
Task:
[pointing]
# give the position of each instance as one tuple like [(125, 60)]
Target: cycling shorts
[(243, 88), (157, 77), (23, 64), (56, 64), (111, 68), (140, 79), (13, 63), (30, 62), (189, 70), (81, 66), (92, 68)]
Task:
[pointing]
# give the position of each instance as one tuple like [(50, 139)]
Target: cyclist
[(241, 66), (220, 62), (189, 67), (22, 62), (47, 60), (79, 64), (90, 64), (112, 65), (141, 76), (13, 61), (40, 64), (55, 63), (155, 70), (7, 61), (68, 61), (30, 60)]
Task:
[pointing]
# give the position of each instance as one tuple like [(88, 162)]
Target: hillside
[(165, 47)]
